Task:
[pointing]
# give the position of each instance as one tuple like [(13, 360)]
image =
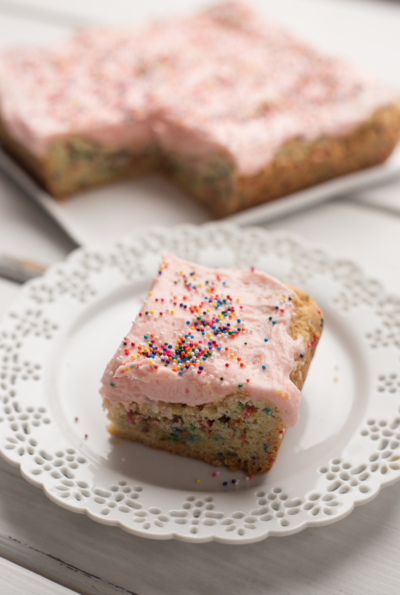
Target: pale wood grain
[(15, 580)]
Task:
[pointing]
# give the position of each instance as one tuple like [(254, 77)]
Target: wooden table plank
[(15, 580)]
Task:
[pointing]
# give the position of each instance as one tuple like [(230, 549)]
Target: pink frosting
[(243, 346), (222, 81)]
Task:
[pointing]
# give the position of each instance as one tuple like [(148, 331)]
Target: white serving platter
[(60, 332), (117, 209)]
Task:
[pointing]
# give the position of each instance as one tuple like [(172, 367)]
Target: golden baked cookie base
[(74, 163), (297, 165), (236, 431)]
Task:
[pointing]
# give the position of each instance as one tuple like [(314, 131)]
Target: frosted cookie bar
[(213, 365), (233, 109)]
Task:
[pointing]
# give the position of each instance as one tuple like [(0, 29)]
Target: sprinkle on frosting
[(119, 87), (180, 359)]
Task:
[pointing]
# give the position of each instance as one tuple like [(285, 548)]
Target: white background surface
[(356, 555)]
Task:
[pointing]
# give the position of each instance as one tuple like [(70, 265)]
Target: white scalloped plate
[(63, 328)]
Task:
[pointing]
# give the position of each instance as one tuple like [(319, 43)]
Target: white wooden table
[(46, 549)]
